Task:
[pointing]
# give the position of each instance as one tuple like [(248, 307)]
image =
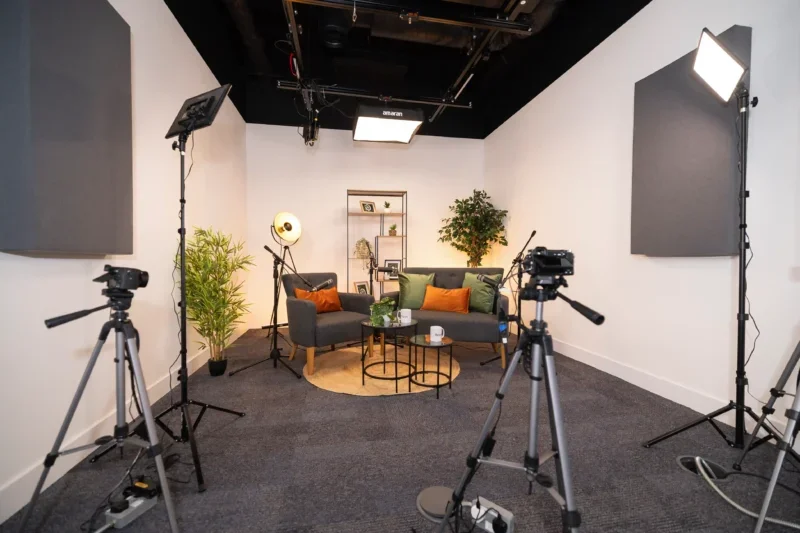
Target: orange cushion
[(453, 300), (326, 300)]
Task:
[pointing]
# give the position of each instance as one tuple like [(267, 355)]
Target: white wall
[(562, 165), (284, 175), (42, 367)]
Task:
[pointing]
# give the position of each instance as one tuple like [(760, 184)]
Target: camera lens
[(144, 277)]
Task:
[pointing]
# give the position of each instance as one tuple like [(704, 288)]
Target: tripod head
[(120, 282)]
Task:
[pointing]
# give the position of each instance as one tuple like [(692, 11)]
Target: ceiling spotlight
[(720, 69), (523, 2), (383, 124)]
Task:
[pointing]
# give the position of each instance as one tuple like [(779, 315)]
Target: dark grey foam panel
[(685, 179), (67, 182)]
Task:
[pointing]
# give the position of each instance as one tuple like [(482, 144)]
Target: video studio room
[(324, 266)]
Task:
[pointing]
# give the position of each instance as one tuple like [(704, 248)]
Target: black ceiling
[(244, 42)]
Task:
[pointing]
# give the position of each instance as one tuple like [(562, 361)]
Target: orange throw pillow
[(326, 300), (453, 300)]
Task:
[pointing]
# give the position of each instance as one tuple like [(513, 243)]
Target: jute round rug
[(340, 371)]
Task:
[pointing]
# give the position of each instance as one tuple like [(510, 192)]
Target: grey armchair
[(310, 330)]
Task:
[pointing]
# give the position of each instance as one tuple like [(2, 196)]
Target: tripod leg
[(50, 459), (769, 408), (554, 441), (152, 432), (785, 444), (472, 460), (532, 454), (570, 516), (705, 418), (198, 469)]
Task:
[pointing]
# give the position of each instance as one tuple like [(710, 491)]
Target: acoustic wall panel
[(66, 137), (684, 199)]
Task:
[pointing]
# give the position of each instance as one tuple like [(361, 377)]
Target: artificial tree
[(474, 227), (215, 302)]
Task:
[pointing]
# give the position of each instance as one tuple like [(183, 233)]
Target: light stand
[(725, 79), (196, 113)]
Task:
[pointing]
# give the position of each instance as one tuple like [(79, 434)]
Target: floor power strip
[(490, 517), (137, 506)]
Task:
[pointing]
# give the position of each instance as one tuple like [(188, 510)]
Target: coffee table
[(423, 341), (393, 329)]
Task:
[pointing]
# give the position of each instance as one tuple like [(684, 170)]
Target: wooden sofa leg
[(310, 360), (333, 347), (494, 347), (293, 352), (503, 356), (370, 345)]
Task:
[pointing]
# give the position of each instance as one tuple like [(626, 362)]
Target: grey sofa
[(310, 330), (471, 327)]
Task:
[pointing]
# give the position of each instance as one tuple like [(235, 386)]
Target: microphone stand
[(516, 264), (278, 264)]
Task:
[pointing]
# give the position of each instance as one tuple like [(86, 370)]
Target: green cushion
[(412, 289), (481, 297)]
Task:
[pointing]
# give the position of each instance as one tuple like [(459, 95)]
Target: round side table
[(394, 329), (423, 341)]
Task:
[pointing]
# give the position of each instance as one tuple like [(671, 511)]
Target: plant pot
[(393, 233), (387, 209), (217, 368)]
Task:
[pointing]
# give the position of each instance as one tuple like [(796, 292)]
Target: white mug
[(405, 316), (437, 334)]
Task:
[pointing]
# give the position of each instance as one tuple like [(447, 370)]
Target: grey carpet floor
[(310, 461)]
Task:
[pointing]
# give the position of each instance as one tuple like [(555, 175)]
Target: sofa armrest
[(357, 303), (394, 295), (302, 321)]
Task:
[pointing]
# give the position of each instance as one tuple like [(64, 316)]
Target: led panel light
[(382, 124), (717, 66)]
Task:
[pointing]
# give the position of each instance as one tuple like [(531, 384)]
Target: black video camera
[(543, 263), (123, 278)]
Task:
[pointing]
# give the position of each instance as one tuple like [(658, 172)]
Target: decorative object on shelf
[(361, 287), (381, 311), (214, 301), (367, 207), (475, 225), (363, 250), (387, 207), (393, 230), (394, 264)]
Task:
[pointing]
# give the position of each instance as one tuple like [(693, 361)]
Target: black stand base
[(274, 356), (492, 360), (771, 434)]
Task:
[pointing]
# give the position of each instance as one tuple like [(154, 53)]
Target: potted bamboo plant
[(214, 299)]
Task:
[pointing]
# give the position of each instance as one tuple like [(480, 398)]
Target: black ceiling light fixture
[(385, 124)]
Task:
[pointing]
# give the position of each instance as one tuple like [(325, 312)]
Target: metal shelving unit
[(374, 227)]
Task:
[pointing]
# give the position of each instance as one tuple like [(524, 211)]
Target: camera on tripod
[(122, 278), (547, 269)]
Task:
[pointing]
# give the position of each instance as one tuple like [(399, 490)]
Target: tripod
[(784, 446), (119, 300), (278, 263), (187, 428), (536, 346), (776, 392)]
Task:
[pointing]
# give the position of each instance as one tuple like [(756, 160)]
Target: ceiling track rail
[(337, 90), (512, 11), (454, 15)]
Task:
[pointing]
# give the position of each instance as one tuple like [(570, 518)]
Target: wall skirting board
[(693, 399), (16, 493)]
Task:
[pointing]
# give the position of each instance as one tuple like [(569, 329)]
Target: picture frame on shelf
[(367, 207), (393, 263), (361, 287)]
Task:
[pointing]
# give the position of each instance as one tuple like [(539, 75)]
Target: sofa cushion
[(341, 326), (326, 300), (412, 289), (470, 327), (452, 277), (482, 295), (453, 300)]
